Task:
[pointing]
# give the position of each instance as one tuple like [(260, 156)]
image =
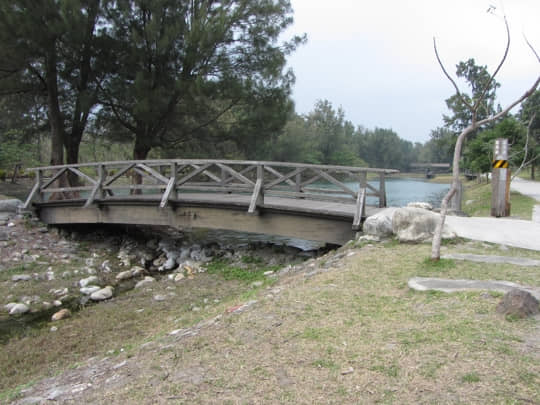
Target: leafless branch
[(524, 161), (488, 84), (458, 93), (532, 48)]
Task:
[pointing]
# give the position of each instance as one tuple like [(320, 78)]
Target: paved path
[(448, 286), (505, 231), (530, 189)]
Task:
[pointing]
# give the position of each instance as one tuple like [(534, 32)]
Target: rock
[(256, 284), (136, 271), (106, 266), (179, 277), (169, 264), (88, 280), (18, 309), (144, 282), (124, 275), (9, 306), (89, 289), (421, 205), (3, 236), (103, 294), (62, 314), (518, 303), (417, 225), (159, 297), (21, 277), (53, 329), (380, 224), (10, 205)]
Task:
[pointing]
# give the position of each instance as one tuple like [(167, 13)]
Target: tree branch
[(458, 93), (486, 87)]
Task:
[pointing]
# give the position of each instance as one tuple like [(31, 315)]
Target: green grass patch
[(478, 197), (472, 377), (438, 265), (248, 272)]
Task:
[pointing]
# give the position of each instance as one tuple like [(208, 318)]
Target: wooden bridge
[(313, 202)]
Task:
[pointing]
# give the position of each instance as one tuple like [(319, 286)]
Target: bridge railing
[(168, 179)]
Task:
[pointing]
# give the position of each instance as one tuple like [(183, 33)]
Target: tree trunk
[(140, 152), (532, 171)]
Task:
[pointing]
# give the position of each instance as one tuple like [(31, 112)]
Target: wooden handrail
[(171, 177)]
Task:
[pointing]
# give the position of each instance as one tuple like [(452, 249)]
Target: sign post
[(500, 180)]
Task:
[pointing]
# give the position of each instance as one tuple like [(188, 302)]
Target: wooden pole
[(500, 180)]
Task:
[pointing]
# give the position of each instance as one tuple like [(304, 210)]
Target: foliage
[(530, 117), (183, 67), (478, 153), (477, 79)]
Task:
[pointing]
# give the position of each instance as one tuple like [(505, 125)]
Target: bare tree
[(473, 106)]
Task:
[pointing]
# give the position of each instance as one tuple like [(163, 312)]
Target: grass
[(403, 346), (477, 202), (251, 269)]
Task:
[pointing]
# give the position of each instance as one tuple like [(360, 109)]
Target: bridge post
[(382, 190), (174, 177), (257, 198)]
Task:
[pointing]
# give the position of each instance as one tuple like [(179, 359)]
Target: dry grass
[(352, 333)]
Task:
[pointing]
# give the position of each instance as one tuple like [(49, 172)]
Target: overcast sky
[(375, 58)]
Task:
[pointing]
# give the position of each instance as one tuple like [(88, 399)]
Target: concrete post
[(500, 180)]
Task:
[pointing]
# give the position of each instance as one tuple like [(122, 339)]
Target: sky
[(375, 58)]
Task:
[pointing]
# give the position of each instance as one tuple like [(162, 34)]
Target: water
[(399, 192)]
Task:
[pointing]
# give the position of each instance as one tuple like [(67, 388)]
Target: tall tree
[(50, 48), (183, 64)]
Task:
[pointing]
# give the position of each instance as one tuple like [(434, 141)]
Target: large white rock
[(19, 309), (103, 294), (423, 205), (89, 289), (379, 224), (88, 280), (11, 205), (417, 225)]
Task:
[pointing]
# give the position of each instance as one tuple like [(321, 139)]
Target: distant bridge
[(314, 202)]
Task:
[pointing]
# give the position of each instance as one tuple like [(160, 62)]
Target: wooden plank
[(83, 175), (54, 178), (237, 175), (360, 211), (119, 174), (285, 177), (269, 169), (153, 173), (167, 193), (98, 188), (192, 174), (208, 174), (336, 182), (316, 197), (256, 197), (32, 194)]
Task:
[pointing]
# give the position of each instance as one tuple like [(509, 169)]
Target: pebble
[(159, 297), (21, 277), (53, 329), (147, 280), (179, 277), (62, 314)]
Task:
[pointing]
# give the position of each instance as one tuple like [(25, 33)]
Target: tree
[(182, 65), (474, 106), (478, 153), (483, 91), (52, 49)]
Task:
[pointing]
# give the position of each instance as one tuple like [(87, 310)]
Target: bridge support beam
[(329, 230)]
